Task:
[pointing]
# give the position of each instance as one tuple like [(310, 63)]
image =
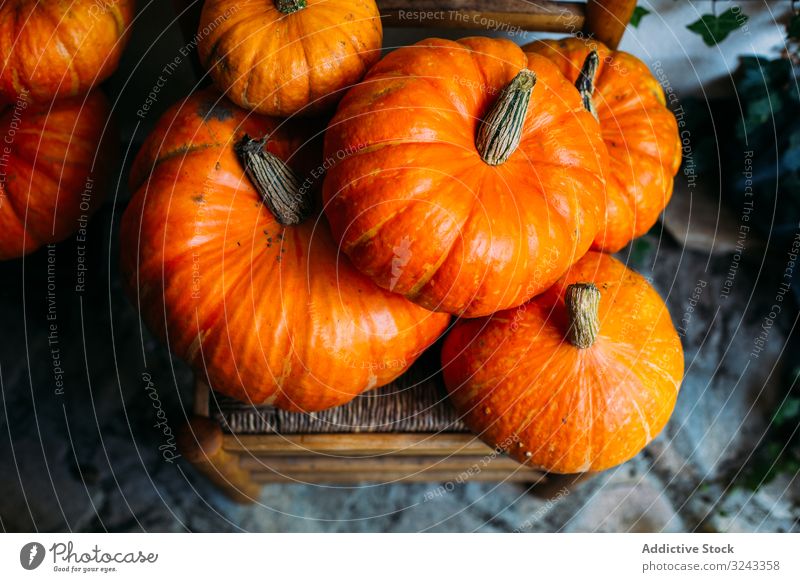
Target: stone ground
[(87, 459)]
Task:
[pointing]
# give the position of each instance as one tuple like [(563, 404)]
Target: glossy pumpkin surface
[(641, 134), (296, 61), (266, 313), (521, 382), (60, 47), (419, 210), (54, 167)]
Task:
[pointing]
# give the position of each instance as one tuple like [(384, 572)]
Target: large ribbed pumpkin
[(281, 57), (55, 161), (266, 311), (579, 379), (641, 133), (60, 48), (466, 175)]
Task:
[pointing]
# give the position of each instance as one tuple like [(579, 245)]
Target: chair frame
[(241, 464)]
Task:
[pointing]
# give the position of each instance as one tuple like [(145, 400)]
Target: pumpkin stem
[(501, 129), (582, 300), (585, 81), (289, 6), (277, 184)]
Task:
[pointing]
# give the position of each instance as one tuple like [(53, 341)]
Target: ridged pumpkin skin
[(268, 314), (282, 64), (60, 48), (54, 172), (518, 381), (641, 134), (418, 210)]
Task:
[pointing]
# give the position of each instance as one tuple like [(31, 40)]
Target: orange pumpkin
[(579, 379), (60, 47), (466, 175), (639, 130), (281, 57), (54, 169), (258, 301)]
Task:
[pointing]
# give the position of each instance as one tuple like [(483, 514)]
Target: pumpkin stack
[(469, 178), (473, 177), (54, 165), (228, 261), (225, 251)]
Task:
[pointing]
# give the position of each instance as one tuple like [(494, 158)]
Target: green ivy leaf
[(789, 412), (638, 13), (639, 250), (762, 110), (715, 29), (766, 90), (790, 162), (793, 31)]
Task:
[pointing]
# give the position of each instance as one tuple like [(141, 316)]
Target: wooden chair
[(407, 430), (604, 20)]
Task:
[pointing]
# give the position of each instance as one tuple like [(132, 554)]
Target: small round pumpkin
[(580, 378), (466, 175), (255, 298), (60, 48), (282, 57), (641, 133), (54, 170)]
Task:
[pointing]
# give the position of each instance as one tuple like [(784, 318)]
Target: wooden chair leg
[(200, 442), (606, 20)]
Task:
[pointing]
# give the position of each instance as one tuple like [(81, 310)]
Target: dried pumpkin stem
[(289, 6), (583, 301), (277, 184), (585, 82), (501, 129)]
